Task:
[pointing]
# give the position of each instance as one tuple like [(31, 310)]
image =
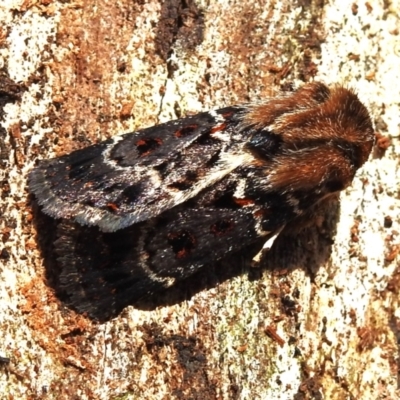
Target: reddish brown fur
[(326, 136), (305, 97), (312, 167)]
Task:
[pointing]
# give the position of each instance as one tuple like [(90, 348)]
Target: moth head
[(352, 123)]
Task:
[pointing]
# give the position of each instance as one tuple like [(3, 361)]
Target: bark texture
[(320, 318)]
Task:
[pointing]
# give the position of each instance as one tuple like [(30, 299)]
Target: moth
[(143, 210)]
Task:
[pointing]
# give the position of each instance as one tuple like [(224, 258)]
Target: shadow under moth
[(165, 201)]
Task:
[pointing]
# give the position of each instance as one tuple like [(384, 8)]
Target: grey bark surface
[(319, 319)]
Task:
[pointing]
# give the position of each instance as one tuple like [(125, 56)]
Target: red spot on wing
[(88, 184), (147, 146), (222, 227), (112, 207), (218, 128), (228, 114), (182, 243), (186, 130), (243, 202), (182, 253), (264, 212)]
